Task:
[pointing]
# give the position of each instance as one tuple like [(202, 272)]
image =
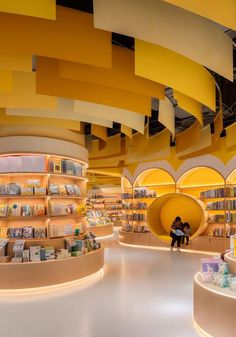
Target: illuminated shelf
[(68, 216), (65, 197), (17, 196), (67, 176), (24, 217)]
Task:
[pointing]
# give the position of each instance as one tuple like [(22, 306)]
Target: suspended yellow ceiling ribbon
[(15, 62), (230, 135), (101, 133), (113, 148), (23, 94), (120, 76), (40, 121), (45, 9), (63, 111), (170, 27), (176, 71), (71, 37), (127, 131), (218, 120), (5, 81), (223, 12), (166, 114), (190, 105), (204, 142), (188, 137), (49, 82), (124, 117)]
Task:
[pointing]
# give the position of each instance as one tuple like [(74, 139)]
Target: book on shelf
[(40, 191), (14, 209), (28, 232), (3, 232), (3, 210), (27, 191), (40, 232), (35, 253), (15, 233), (26, 255)]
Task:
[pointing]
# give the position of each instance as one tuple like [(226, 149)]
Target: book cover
[(3, 232), (3, 210), (14, 210), (35, 253), (28, 232), (40, 191), (54, 189), (27, 191)]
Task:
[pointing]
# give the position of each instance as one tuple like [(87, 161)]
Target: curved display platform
[(164, 209), (201, 243), (101, 230), (140, 239), (52, 272), (214, 309), (232, 263)]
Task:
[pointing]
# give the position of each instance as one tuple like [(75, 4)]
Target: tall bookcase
[(42, 199), (148, 186)]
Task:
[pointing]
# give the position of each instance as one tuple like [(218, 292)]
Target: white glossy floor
[(143, 293)]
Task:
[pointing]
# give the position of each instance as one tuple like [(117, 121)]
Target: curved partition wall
[(163, 211)]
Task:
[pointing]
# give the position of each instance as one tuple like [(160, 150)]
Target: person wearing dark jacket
[(176, 233)]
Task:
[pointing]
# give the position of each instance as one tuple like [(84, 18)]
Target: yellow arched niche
[(163, 211)]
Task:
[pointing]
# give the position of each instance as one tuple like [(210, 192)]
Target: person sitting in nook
[(176, 233)]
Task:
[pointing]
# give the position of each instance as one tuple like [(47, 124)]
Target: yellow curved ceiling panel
[(49, 82), (188, 137), (188, 104), (16, 62), (176, 71), (170, 27), (223, 12), (230, 135), (40, 121), (126, 131), (204, 142), (23, 94), (71, 37), (64, 111), (166, 114), (5, 81), (120, 76), (45, 9), (128, 118), (101, 133), (113, 148)]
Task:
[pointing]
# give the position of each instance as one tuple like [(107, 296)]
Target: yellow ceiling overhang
[(170, 27), (49, 82), (127, 131), (45, 9), (128, 118), (176, 71), (230, 135), (120, 76), (71, 37), (23, 94), (166, 114), (188, 104), (223, 12)]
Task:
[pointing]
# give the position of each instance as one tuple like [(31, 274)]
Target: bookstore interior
[(114, 135)]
